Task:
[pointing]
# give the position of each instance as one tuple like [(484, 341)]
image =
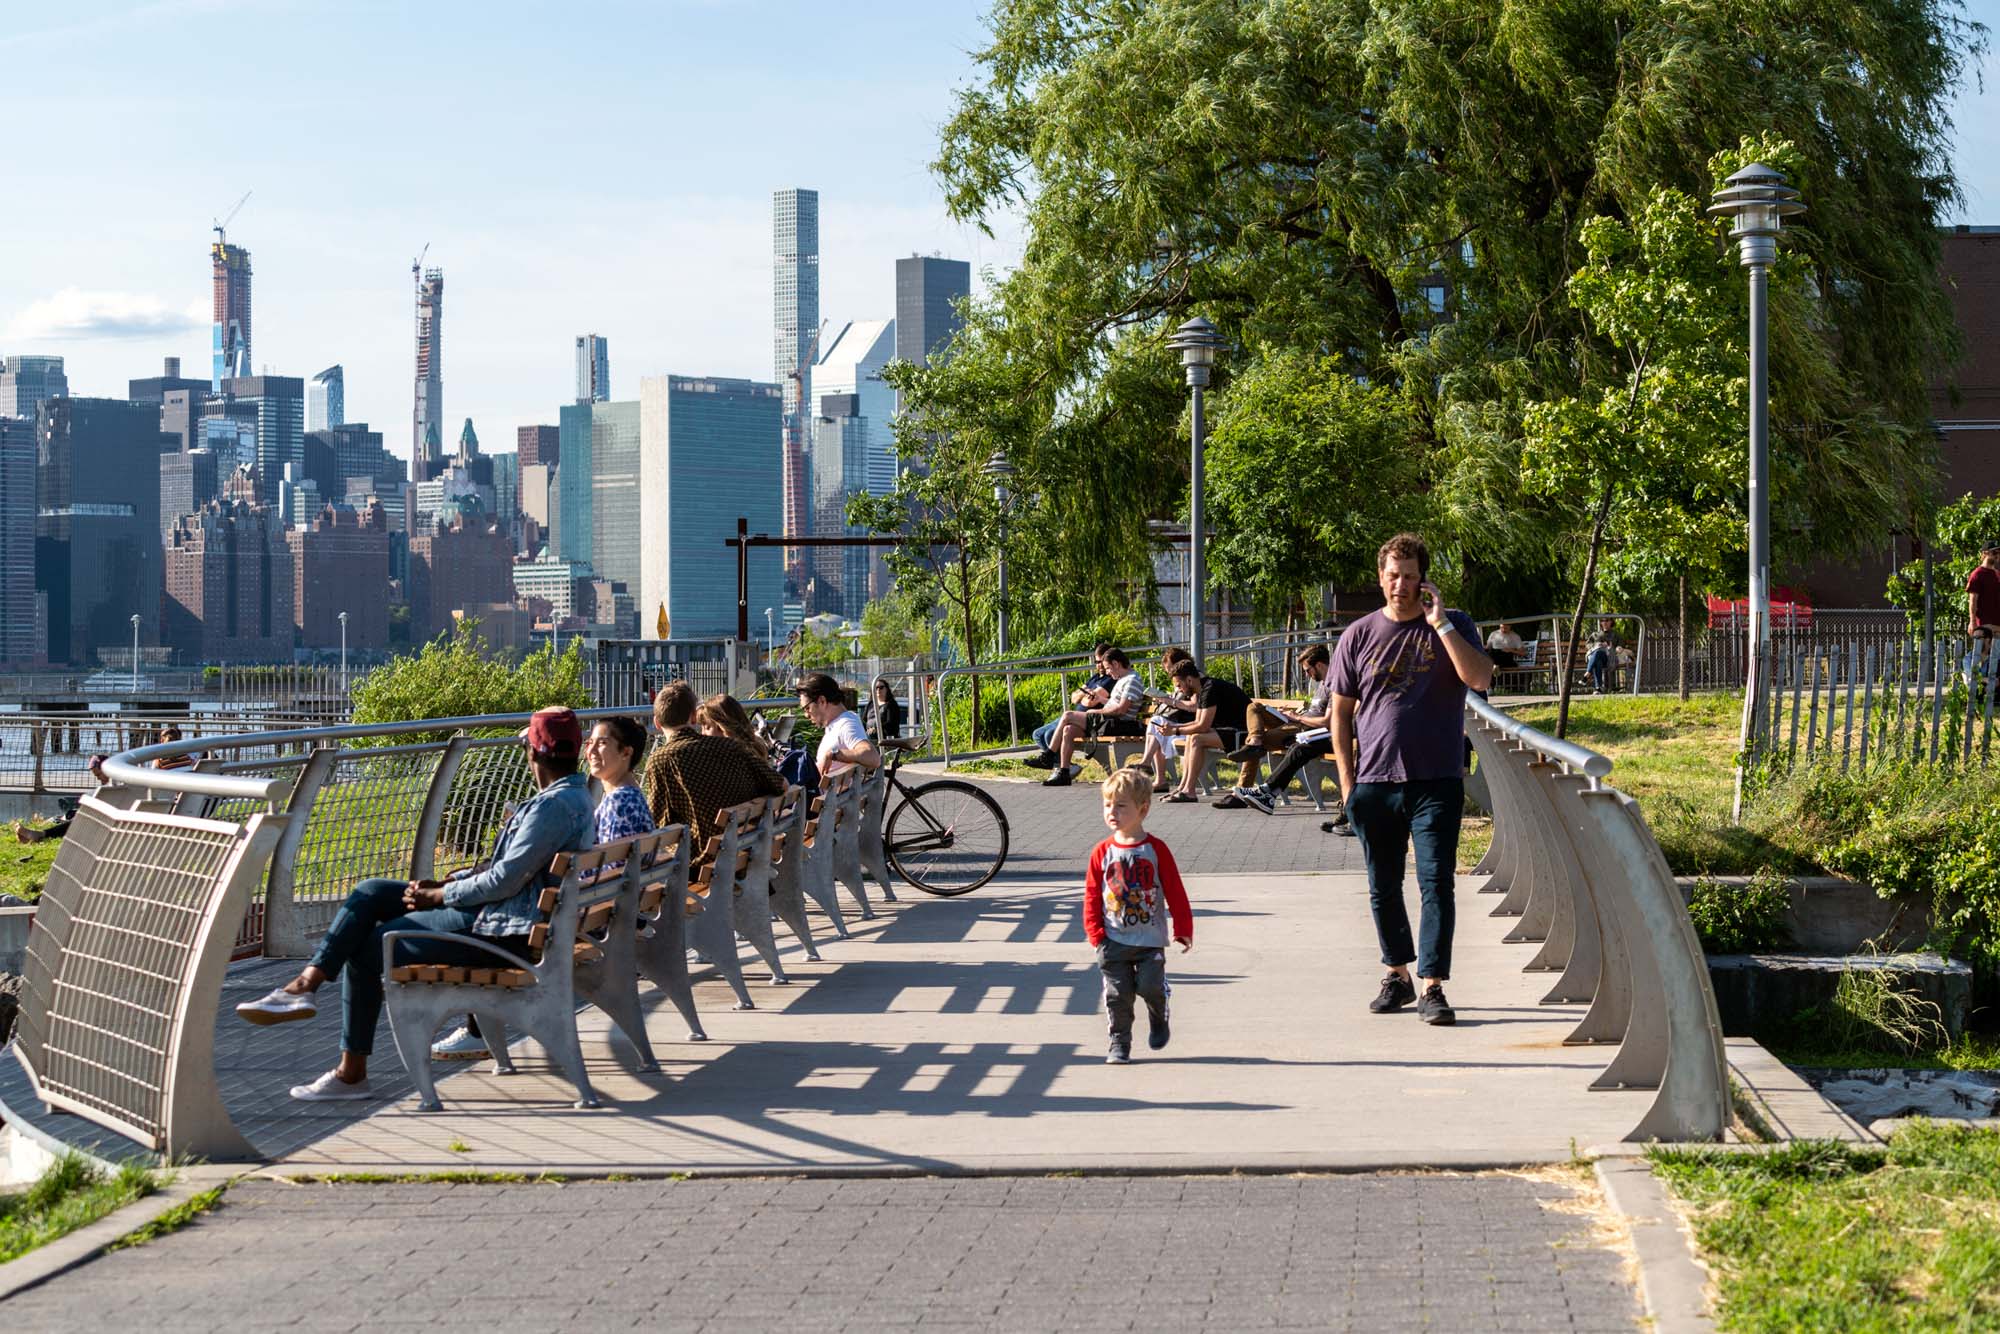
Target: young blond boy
[(1131, 890)]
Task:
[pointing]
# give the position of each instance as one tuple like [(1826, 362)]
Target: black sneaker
[(1045, 760), (1060, 778), (1158, 1034), (1395, 994), (1230, 801), (1120, 1053), (1243, 754), (1433, 1008), (1259, 798)]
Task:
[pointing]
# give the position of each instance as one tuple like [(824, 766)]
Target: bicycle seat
[(903, 743)]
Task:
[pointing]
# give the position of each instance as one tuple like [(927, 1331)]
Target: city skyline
[(671, 261)]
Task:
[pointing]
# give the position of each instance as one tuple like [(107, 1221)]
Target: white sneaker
[(329, 1087), (279, 1007), (462, 1044)]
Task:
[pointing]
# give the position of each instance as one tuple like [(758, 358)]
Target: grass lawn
[(1970, 1051), (24, 867), (1678, 761), (1822, 1236), (69, 1195)]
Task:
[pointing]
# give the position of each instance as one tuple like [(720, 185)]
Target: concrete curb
[(86, 1244), (1673, 1285)]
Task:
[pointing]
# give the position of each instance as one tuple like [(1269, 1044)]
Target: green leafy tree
[(1655, 424), (1307, 472), (1402, 186), (894, 627), (812, 652), (454, 676), (1958, 531)]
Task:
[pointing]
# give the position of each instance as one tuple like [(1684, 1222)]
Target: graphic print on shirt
[(1415, 655), (1131, 892)]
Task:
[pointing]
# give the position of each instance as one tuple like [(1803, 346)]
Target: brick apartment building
[(1965, 406), (453, 568), (228, 585), (340, 563)]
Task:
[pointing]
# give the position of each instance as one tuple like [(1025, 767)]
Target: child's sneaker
[(1120, 1054), (1158, 1034)]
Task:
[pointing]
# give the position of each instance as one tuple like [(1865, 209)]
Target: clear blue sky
[(592, 167)]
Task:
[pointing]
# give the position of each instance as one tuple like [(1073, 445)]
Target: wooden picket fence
[(1854, 702)]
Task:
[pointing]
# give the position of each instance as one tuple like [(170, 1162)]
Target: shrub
[(1740, 919), (452, 677), (1037, 700)]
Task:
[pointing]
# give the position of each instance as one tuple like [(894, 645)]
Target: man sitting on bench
[(1096, 688), (1117, 716), (496, 903), (1221, 711)]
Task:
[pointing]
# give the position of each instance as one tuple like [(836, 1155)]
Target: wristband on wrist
[(1447, 629)]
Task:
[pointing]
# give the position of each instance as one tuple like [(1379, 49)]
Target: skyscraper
[(593, 369), (599, 495), (926, 287), (709, 454), (188, 480), (851, 362), (538, 444), (231, 340), (795, 326), (17, 541), (326, 399), (28, 382), (97, 523), (340, 563), (155, 388), (280, 404), (427, 416)]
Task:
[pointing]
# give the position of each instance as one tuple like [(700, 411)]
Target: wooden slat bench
[(583, 947)]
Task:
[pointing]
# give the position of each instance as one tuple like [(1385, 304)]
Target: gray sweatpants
[(1132, 971)]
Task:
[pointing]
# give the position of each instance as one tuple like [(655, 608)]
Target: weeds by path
[(1822, 1236), (72, 1193)]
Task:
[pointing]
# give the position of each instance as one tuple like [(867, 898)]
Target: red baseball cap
[(555, 733)]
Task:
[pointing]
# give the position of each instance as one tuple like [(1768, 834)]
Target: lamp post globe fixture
[(1002, 472), (1757, 200), (1199, 344)]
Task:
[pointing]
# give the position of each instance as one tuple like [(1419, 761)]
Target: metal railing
[(1587, 883), (50, 751), (1253, 662)]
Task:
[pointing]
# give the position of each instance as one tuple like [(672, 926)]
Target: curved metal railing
[(1586, 882)]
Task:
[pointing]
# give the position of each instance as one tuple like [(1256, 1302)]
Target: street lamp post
[(1198, 342), (343, 653), (1002, 473), (770, 633), (135, 652), (1757, 200)]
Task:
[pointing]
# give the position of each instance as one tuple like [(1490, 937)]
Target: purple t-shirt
[(1410, 723)]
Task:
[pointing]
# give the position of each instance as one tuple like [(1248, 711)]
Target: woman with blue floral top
[(611, 754)]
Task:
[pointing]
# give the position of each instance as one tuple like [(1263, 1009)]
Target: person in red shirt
[(1131, 891), (1982, 594)]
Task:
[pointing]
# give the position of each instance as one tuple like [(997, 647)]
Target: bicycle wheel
[(946, 837)]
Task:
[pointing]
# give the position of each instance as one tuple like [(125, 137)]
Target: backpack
[(795, 766)]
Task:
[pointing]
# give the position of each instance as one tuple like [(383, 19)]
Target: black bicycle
[(945, 836)]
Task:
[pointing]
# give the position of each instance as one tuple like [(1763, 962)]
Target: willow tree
[(1400, 186)]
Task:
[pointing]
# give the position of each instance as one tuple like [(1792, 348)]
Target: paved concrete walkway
[(1370, 1252)]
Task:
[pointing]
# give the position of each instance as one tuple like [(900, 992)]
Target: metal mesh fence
[(363, 824), (110, 955), (492, 779)]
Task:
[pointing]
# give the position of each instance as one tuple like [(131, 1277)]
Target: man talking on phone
[(1399, 681)]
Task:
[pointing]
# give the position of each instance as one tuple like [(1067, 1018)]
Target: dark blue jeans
[(352, 951), (1389, 817)]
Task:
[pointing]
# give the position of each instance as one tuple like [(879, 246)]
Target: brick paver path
[(1362, 1252)]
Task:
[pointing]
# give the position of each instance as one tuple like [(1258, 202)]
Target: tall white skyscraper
[(326, 400), (593, 368), (794, 325), (427, 412)]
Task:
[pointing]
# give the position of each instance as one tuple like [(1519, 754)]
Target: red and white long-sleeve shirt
[(1131, 891)]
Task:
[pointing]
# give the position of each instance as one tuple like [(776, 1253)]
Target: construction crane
[(417, 265), (805, 361), (221, 223)]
